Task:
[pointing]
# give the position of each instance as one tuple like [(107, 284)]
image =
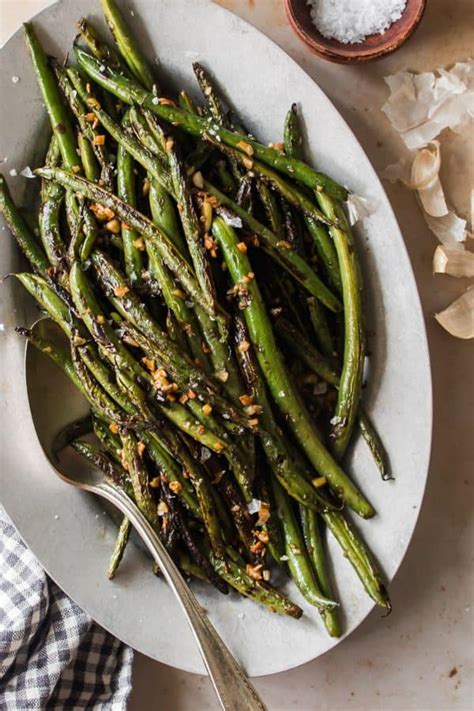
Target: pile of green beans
[(211, 294)]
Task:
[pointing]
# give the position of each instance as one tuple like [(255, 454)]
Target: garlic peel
[(420, 106), (449, 229), (455, 262), (358, 208), (396, 172)]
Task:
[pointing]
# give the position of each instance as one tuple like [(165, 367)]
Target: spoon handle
[(232, 687)]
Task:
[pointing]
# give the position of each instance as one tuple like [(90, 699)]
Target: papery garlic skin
[(454, 262)]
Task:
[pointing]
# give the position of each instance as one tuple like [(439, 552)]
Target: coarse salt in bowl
[(353, 31)]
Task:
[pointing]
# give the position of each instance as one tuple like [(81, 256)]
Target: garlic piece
[(458, 318), (425, 179)]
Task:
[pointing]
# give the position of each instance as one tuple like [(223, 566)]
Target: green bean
[(129, 48), (174, 411), (209, 92), (192, 233), (298, 561), (320, 325), (171, 470), (375, 444), (277, 378), (87, 236), (272, 211), (142, 154), (226, 179), (68, 79), (354, 329), (164, 215), (282, 253), (206, 434), (57, 353), (255, 589), (298, 344), (115, 472), (149, 133), (18, 227), (186, 102), (359, 556), (276, 542), (141, 223), (326, 251), (309, 355), (182, 369), (48, 299), (108, 439), (314, 546), (130, 92), (289, 192), (52, 198), (96, 396), (58, 115), (91, 168), (216, 110), (126, 191), (139, 476), (119, 548), (276, 451), (102, 51), (293, 139), (184, 315)]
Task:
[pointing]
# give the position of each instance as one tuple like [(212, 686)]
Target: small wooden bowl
[(372, 47)]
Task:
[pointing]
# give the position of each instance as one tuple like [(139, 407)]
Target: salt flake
[(232, 220), (350, 21), (27, 172), (253, 506)]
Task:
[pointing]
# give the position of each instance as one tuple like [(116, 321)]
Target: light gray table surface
[(420, 657)]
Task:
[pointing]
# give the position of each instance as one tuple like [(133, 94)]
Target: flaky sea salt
[(350, 21), (27, 172)]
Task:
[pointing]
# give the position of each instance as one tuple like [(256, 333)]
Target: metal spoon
[(232, 687)]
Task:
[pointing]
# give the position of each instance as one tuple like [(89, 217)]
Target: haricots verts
[(203, 284), (276, 375)]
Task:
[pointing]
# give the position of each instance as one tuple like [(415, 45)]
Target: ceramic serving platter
[(67, 530)]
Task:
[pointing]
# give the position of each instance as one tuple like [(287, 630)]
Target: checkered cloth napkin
[(52, 656)]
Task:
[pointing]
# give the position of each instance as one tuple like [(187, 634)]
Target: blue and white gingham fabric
[(52, 655)]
